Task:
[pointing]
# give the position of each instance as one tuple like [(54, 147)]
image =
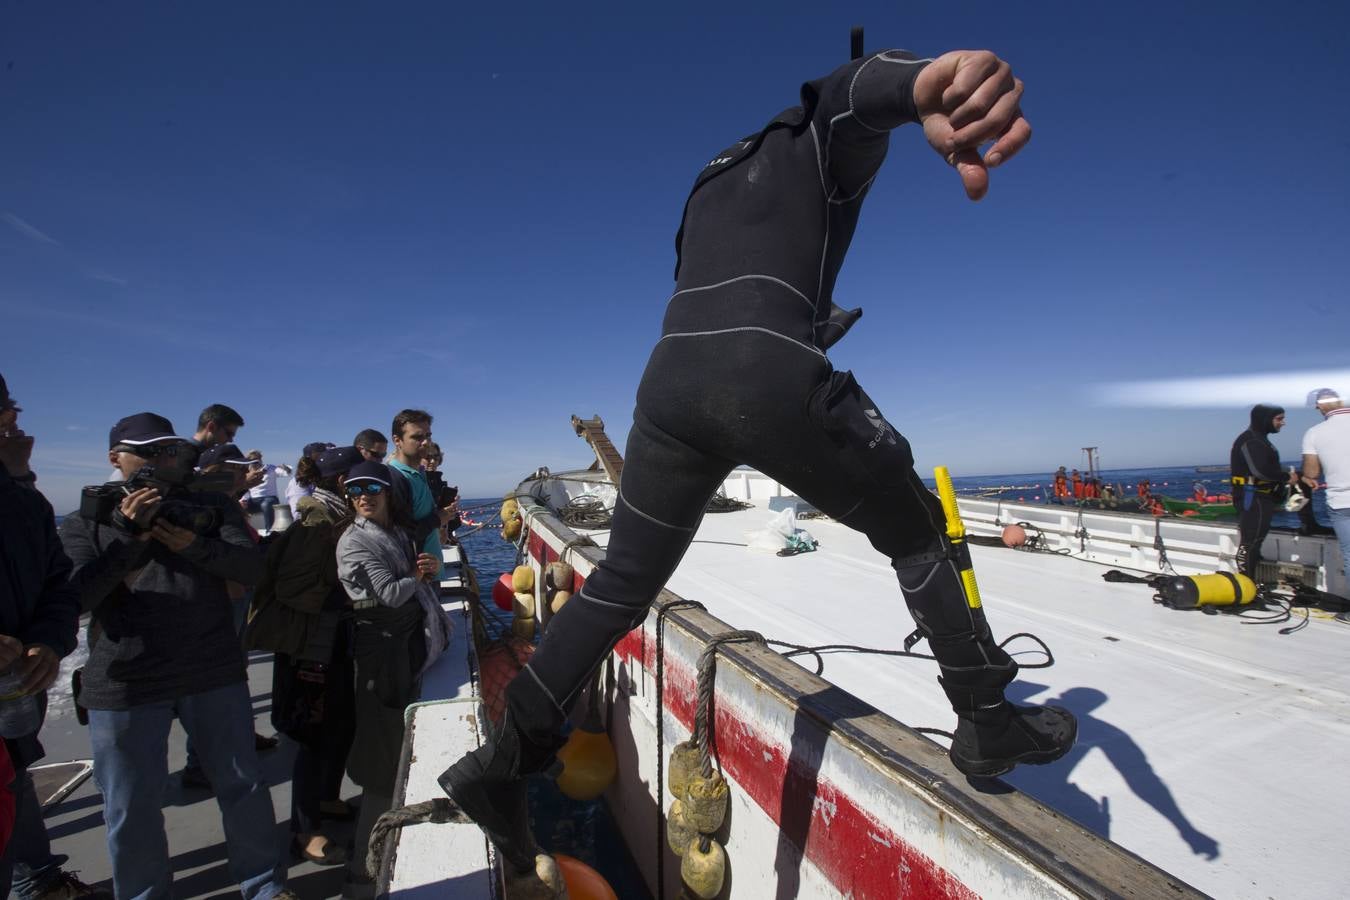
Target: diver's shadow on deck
[(1051, 783)]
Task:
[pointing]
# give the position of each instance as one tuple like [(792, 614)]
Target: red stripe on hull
[(860, 856)]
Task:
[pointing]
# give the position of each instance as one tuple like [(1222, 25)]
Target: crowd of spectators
[(177, 586)]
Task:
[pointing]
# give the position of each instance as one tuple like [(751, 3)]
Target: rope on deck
[(439, 811)]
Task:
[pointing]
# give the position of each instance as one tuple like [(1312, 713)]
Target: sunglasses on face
[(154, 451), (371, 490)]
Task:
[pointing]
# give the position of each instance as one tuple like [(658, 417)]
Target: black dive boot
[(488, 785), (992, 735)]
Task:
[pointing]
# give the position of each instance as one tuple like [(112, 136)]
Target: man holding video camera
[(152, 554)]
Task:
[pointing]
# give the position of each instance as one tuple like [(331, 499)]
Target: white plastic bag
[(780, 534)]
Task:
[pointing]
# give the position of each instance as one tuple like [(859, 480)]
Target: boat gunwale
[(1084, 863)]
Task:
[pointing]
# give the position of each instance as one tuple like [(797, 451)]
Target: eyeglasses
[(372, 489), (154, 451)]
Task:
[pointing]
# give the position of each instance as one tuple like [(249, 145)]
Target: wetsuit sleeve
[(853, 110)]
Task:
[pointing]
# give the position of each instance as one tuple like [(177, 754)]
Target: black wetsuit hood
[(1263, 418)]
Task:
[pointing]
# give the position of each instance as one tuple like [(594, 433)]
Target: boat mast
[(1089, 451)]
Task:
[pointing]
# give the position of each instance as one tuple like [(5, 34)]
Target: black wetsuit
[(1257, 475), (740, 375)]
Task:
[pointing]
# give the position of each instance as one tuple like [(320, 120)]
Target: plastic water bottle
[(19, 715)]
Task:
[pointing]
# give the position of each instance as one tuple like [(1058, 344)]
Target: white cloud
[(27, 230), (1287, 388)]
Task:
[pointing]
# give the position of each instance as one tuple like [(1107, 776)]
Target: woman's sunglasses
[(374, 489)]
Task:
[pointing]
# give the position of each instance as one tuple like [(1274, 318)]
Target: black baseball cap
[(6, 401), (142, 428), (338, 460), (222, 453), (368, 470), (315, 447)]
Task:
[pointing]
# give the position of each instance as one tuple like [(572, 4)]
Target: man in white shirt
[(1326, 454)]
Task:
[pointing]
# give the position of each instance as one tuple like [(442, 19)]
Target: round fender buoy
[(583, 882), (703, 873), (1014, 535), (503, 594), (589, 764)]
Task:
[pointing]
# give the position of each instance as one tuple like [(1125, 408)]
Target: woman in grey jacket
[(399, 630)]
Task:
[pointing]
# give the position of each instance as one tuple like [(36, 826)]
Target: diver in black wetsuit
[(1257, 475), (740, 375)]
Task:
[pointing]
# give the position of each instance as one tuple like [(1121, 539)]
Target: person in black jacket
[(167, 648), (740, 375), (1257, 476), (39, 621)]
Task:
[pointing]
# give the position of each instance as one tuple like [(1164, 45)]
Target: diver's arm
[(1264, 463), (855, 108)]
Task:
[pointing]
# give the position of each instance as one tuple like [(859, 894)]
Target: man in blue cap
[(165, 647)]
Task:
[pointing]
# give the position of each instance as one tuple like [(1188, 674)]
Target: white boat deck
[(1203, 742)]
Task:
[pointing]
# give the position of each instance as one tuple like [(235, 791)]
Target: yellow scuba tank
[(1196, 591)]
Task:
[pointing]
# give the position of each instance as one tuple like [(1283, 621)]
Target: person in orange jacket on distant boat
[(1061, 484), (1077, 480)]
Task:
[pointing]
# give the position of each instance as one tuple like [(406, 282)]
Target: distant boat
[(1211, 468)]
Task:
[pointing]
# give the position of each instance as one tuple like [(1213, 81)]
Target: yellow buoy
[(523, 627), (704, 872), (684, 765), (511, 528), (706, 803), (560, 576), (583, 882), (679, 833), (589, 764), (559, 600), (523, 605), (522, 579)]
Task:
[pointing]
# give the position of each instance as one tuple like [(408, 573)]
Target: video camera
[(443, 493), (102, 502)]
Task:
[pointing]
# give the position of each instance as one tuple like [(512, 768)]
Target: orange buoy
[(503, 593), (583, 882), (1014, 535)]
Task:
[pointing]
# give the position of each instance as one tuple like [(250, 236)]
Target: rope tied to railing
[(661, 614), (707, 680)]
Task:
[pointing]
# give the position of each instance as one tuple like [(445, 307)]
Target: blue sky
[(320, 214)]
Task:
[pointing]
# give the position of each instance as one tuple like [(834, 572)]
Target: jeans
[(1340, 520), (28, 864), (131, 768), (266, 504)]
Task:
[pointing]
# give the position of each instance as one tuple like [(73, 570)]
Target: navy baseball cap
[(338, 460), (142, 428), (222, 453), (367, 470), (315, 447), (6, 401)]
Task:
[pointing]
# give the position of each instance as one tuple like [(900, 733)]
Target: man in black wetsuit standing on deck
[(764, 234)]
